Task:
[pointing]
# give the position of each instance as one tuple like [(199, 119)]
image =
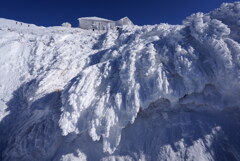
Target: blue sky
[(55, 12)]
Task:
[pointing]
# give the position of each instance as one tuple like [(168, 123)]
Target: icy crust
[(69, 93), (148, 64)]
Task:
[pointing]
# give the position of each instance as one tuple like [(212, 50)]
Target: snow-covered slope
[(159, 92)]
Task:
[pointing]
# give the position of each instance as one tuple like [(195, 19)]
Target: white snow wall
[(158, 62), (102, 81)]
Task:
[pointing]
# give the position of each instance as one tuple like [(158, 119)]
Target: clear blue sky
[(55, 12)]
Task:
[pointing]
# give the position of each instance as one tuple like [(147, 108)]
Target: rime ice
[(160, 92)]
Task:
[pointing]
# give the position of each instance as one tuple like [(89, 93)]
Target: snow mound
[(159, 92)]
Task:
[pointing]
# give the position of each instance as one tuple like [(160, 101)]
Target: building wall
[(96, 24), (103, 25), (85, 24)]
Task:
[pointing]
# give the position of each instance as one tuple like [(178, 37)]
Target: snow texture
[(160, 92)]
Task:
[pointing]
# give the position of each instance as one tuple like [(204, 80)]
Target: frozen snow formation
[(161, 92)]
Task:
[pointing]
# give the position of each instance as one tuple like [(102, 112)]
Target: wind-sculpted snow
[(159, 92)]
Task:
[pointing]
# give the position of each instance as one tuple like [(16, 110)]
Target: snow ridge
[(158, 92)]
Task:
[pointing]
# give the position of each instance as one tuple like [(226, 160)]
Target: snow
[(161, 92), (94, 18)]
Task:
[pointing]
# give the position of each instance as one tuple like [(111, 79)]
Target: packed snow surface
[(161, 92)]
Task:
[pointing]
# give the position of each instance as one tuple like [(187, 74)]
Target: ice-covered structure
[(66, 24), (150, 93), (96, 23)]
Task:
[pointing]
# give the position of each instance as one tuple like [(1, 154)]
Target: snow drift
[(158, 92)]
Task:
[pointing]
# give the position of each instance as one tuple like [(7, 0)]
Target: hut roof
[(94, 18)]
